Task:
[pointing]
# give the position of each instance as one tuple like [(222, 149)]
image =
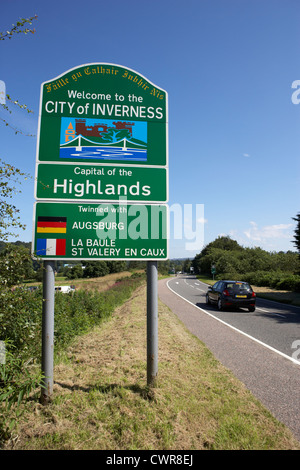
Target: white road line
[(279, 315), (271, 313), (190, 285), (239, 331)]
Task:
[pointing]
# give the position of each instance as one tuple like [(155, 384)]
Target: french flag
[(51, 247)]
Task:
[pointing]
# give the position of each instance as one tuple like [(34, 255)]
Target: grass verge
[(101, 400)]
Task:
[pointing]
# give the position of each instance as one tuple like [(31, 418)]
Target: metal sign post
[(48, 331), (152, 323), (213, 271)]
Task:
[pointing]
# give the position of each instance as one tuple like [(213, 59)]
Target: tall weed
[(21, 330)]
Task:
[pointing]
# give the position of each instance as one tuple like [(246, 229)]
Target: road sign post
[(152, 324), (101, 181), (47, 331), (213, 270)]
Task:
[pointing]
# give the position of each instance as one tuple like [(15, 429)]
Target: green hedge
[(274, 279), (78, 312), (21, 330), (75, 313)]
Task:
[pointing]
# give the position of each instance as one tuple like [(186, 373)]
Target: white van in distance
[(65, 289)]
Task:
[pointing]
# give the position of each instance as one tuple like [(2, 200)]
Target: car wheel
[(220, 306), (207, 300), (251, 309)]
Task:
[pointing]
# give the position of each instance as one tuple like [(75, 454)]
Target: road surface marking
[(271, 313)]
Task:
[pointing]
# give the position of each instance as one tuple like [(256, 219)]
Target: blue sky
[(228, 67)]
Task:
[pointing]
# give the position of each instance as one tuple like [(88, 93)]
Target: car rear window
[(237, 287)]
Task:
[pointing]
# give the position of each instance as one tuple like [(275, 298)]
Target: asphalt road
[(262, 349)]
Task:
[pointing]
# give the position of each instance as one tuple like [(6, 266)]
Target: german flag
[(52, 225)]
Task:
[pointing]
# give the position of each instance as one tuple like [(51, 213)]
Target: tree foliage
[(15, 265), (297, 232), (9, 217), (18, 312), (229, 257), (9, 174), (101, 268), (19, 28)]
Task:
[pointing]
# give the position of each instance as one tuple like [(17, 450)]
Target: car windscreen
[(238, 287)]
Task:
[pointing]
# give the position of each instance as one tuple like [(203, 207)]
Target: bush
[(289, 283), (275, 280), (21, 329), (20, 319), (76, 272), (229, 257), (77, 312)]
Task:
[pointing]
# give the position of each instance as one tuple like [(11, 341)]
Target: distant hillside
[(18, 243)]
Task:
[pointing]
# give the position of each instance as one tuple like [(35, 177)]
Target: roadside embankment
[(101, 401)]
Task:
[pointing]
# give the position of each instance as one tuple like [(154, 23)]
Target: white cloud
[(277, 237), (202, 220), (268, 232), (246, 155)]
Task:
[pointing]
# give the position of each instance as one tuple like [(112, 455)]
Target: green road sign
[(103, 113), (87, 182), (103, 132), (75, 231)]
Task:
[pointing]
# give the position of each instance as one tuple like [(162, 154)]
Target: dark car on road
[(227, 294)]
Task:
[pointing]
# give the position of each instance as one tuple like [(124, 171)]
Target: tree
[(116, 266), (224, 243), (223, 250), (75, 272), (9, 174), (186, 265), (16, 380), (15, 265), (95, 269), (8, 212), (297, 233), (18, 28)]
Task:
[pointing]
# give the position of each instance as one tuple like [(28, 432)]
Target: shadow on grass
[(114, 389)]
